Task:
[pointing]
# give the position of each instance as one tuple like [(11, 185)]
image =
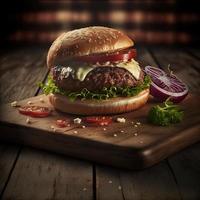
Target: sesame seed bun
[(86, 41), (99, 107)]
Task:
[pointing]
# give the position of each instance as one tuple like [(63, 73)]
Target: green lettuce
[(105, 93)]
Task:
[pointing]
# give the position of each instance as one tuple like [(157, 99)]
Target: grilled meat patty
[(97, 79)]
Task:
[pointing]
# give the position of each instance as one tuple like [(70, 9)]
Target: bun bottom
[(99, 107)]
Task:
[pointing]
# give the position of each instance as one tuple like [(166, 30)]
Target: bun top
[(86, 41)]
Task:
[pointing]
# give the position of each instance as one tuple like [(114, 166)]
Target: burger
[(93, 71)]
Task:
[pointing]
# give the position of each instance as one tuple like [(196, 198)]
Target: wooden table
[(27, 173)]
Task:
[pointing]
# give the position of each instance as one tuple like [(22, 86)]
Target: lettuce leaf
[(105, 93)]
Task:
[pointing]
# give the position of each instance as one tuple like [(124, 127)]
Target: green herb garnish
[(165, 114), (105, 93)]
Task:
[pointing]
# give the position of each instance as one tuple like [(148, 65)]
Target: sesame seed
[(75, 132), (141, 142), (138, 123), (110, 181), (83, 126), (122, 131), (84, 189), (135, 134), (115, 135), (135, 125), (14, 104), (104, 129)]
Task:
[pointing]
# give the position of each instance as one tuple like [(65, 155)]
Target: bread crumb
[(53, 128), (14, 104), (28, 121), (29, 102), (121, 120), (77, 121), (41, 100)]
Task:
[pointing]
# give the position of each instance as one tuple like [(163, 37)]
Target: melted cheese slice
[(132, 66)]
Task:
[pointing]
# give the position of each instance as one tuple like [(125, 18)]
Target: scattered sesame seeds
[(121, 120), (28, 121), (135, 134), (75, 132), (132, 122), (119, 187), (83, 126), (138, 123), (104, 129), (14, 104), (110, 181), (135, 125), (122, 131), (115, 135)]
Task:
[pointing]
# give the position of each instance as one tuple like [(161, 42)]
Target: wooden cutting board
[(126, 145)]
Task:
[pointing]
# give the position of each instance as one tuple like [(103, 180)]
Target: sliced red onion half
[(165, 85)]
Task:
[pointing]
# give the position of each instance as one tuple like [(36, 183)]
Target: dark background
[(150, 22)]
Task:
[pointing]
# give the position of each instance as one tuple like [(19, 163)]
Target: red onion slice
[(165, 85)]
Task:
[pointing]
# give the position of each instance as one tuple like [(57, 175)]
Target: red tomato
[(101, 121), (35, 111), (127, 54), (62, 123)]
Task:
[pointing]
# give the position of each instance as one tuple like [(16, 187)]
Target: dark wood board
[(152, 143)]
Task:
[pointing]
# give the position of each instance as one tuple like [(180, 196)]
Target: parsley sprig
[(105, 93), (165, 114)]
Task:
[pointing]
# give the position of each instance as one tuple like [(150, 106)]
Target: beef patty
[(97, 79)]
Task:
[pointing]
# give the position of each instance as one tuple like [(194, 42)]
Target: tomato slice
[(101, 120), (35, 111), (122, 55), (62, 123)]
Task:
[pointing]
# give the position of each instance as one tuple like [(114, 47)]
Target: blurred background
[(150, 22)]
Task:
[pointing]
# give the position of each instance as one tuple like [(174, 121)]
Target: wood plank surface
[(15, 66), (31, 70), (182, 64), (153, 183), (185, 164), (184, 167), (41, 175)]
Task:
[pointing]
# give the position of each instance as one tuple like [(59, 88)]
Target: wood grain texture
[(15, 67), (31, 70), (185, 164), (182, 64), (40, 175), (152, 143), (150, 184)]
